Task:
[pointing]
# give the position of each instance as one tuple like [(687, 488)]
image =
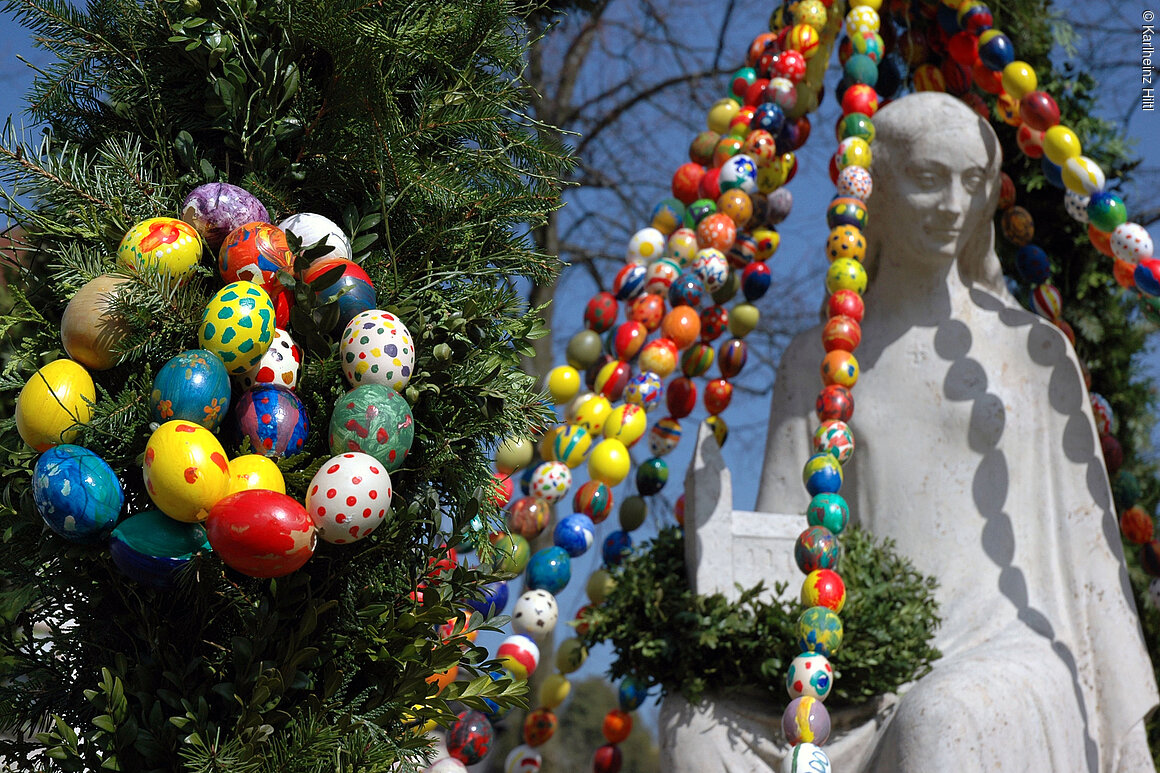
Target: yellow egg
[(554, 690), (721, 113), (1060, 144), (609, 462), (1083, 176), (570, 445), (563, 383), (626, 423), (592, 413), (1019, 79), (164, 245), (846, 274), (186, 470), (547, 452), (238, 326), (252, 471), (570, 656), (53, 403)]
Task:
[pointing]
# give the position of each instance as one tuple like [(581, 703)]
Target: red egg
[(846, 303), (629, 338), (504, 488), (860, 98), (710, 185), (607, 759), (261, 533), (963, 48), (834, 402), (1038, 110), (718, 395), (681, 397), (990, 81), (754, 94), (1136, 525), (714, 322), (649, 310), (659, 356), (256, 252), (686, 180), (841, 333), (600, 313)]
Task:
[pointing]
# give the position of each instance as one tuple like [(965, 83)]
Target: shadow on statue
[(978, 455)]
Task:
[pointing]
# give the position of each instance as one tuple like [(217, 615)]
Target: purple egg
[(215, 209), (274, 420)]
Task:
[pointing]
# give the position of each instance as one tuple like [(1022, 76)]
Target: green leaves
[(664, 633)]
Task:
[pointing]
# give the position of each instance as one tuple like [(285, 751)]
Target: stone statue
[(977, 454)]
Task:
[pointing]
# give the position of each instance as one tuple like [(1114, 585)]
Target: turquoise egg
[(193, 386), (238, 326), (151, 547), (373, 419), (550, 569), (76, 493)]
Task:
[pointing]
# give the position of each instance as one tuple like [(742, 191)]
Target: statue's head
[(936, 185)]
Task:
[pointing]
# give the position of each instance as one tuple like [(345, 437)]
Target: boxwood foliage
[(686, 643)]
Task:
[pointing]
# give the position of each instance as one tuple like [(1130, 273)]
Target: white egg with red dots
[(349, 497)]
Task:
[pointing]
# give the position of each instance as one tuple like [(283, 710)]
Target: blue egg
[(354, 296), (526, 479), (687, 290), (151, 547), (495, 599), (1053, 172), (575, 534), (1033, 264), (550, 569), (768, 116), (997, 52), (617, 546), (631, 693), (193, 386), (494, 711), (77, 493)]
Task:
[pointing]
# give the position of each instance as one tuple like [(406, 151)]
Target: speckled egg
[(551, 481), (274, 420), (535, 613), (76, 493), (279, 366), (809, 674), (238, 326), (377, 348), (645, 390), (1131, 242), (162, 245), (373, 419), (261, 533), (311, 229), (349, 497), (185, 470), (216, 209), (193, 386), (151, 547)]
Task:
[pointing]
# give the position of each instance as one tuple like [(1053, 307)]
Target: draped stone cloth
[(978, 455)]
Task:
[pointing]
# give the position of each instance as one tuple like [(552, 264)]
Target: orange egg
[(682, 326)]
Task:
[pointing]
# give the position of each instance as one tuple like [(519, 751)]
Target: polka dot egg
[(1131, 242), (551, 481), (349, 497), (855, 181), (238, 326), (279, 366), (377, 349), (1076, 206)]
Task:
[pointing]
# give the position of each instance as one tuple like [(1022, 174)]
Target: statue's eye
[(926, 180), (973, 180)]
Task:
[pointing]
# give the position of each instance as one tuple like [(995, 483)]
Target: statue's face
[(940, 196)]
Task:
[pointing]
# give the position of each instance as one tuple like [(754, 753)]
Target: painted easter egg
[(834, 402), (571, 445), (470, 737), (349, 497), (806, 720), (377, 348), (312, 229), (817, 547), (53, 403), (76, 493), (261, 533), (809, 674), (806, 758), (447, 764), (351, 288), (528, 516), (591, 411), (664, 436), (828, 510), (238, 326), (836, 438), (274, 420), (627, 423), (253, 471), (373, 419), (714, 322), (523, 759), (535, 613), (574, 534), (216, 209), (279, 366), (846, 274), (151, 547), (718, 395), (185, 470), (659, 356), (551, 481), (539, 726), (495, 599), (629, 282), (256, 252), (519, 654), (1130, 242), (192, 386), (617, 547), (824, 588), (712, 266), (609, 462), (820, 631), (607, 759), (549, 569), (89, 329), (593, 499), (651, 476), (161, 245), (633, 511), (645, 246)]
